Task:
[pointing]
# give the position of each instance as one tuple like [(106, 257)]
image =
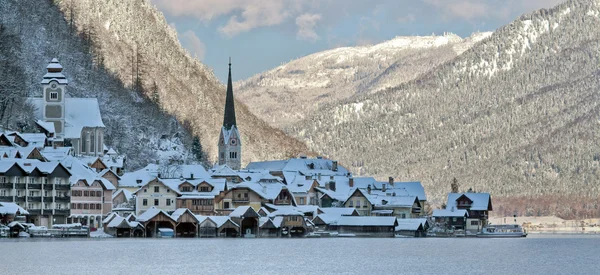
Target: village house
[(155, 194), (123, 202), (477, 206), (197, 195), (451, 218), (42, 188)]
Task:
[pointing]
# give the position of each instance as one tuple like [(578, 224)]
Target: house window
[(86, 193), (31, 193), (145, 202), (186, 189), (301, 200), (358, 204), (204, 189), (474, 222), (454, 219), (30, 206), (86, 206), (98, 194), (31, 180), (18, 193), (226, 205), (3, 179), (351, 204), (46, 206), (45, 180), (145, 190), (155, 202), (58, 206), (92, 206), (79, 206), (45, 193), (403, 216), (54, 95), (98, 206), (58, 181), (245, 195), (3, 193), (156, 189), (168, 202)]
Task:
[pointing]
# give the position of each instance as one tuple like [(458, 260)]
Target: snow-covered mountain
[(289, 92), (516, 115), (152, 93)]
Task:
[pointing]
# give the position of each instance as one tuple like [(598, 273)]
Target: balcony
[(20, 199), (20, 186), (62, 199), (62, 212), (6, 198), (34, 186), (8, 185), (34, 199), (241, 200), (48, 186), (282, 202), (416, 210), (34, 211), (202, 208), (48, 199), (62, 187)]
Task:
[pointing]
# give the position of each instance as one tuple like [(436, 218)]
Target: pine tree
[(197, 149)]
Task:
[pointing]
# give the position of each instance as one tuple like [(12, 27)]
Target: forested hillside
[(516, 115), (133, 41), (290, 92)]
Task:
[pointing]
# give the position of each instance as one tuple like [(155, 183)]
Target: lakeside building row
[(65, 174)]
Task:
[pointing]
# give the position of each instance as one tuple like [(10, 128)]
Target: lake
[(537, 254)]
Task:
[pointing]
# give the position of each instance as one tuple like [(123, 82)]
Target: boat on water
[(502, 231)]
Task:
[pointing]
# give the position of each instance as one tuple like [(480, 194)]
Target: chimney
[(192, 175), (351, 182), (383, 187), (158, 176), (334, 165), (391, 181), (369, 189), (332, 186), (319, 176)]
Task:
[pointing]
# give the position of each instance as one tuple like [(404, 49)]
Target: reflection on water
[(533, 255)]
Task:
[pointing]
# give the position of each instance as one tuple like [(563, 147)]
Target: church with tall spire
[(230, 144)]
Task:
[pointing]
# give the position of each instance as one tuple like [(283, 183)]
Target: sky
[(261, 34)]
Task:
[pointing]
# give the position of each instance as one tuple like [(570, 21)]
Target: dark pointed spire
[(229, 117)]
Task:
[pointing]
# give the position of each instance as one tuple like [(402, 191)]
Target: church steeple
[(229, 117)]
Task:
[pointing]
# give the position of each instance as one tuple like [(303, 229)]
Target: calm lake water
[(546, 254)]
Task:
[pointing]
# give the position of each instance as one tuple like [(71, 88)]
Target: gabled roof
[(452, 212), (244, 211), (409, 224), (180, 212), (340, 211), (151, 213), (172, 188), (9, 208), (481, 201), (128, 194)]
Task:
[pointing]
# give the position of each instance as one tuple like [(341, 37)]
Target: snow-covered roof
[(81, 171), (56, 154), (241, 210), (79, 113), (307, 166), (109, 217), (288, 211), (366, 221), (340, 211), (151, 213), (9, 208), (128, 194), (481, 201), (47, 126), (217, 184), (414, 188), (223, 171), (452, 212), (221, 220), (267, 191), (409, 224), (180, 211)]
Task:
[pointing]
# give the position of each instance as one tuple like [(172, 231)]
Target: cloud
[(462, 9), (306, 26), (193, 43), (471, 10), (244, 15)]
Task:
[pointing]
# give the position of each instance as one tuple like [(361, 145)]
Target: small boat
[(502, 231)]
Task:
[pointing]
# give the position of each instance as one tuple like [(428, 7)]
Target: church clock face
[(221, 142), (233, 141), (53, 85)]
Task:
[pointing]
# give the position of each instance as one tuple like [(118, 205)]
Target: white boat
[(502, 231)]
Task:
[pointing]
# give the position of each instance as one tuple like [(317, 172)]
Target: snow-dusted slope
[(289, 92), (516, 115)]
